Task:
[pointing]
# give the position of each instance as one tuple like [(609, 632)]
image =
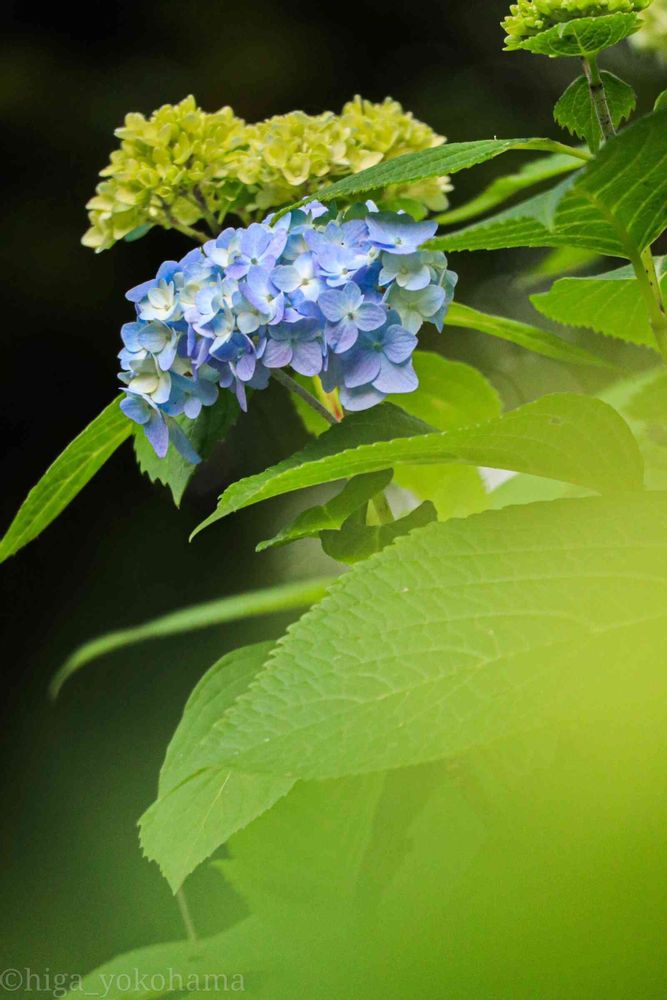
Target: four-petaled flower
[(348, 312), (398, 233), (297, 344)]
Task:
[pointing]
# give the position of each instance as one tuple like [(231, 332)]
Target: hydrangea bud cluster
[(183, 164), (530, 17), (339, 296), (653, 34)]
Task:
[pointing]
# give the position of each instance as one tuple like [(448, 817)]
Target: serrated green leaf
[(661, 101), (63, 480), (628, 181), (634, 397), (615, 206), (508, 612), (576, 112), (256, 602), (535, 172), (436, 162), (211, 426), (609, 303), (583, 36), (557, 218), (523, 335), (331, 515), (357, 540), (567, 437), (200, 805)]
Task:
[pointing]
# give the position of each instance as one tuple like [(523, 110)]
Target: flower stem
[(599, 96), (644, 267), (209, 217), (307, 397), (195, 234), (329, 399), (186, 916)]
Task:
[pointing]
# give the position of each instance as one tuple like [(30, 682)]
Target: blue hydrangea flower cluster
[(338, 296)]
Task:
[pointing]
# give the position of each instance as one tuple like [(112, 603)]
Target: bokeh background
[(75, 776)]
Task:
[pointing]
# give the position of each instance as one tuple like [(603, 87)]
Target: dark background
[(75, 776)]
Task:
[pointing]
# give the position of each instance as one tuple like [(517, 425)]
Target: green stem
[(298, 390), (599, 97), (186, 916), (642, 262), (194, 234), (331, 400), (644, 267), (209, 217)]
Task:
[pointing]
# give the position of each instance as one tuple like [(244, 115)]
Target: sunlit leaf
[(609, 303), (458, 633), (200, 805)]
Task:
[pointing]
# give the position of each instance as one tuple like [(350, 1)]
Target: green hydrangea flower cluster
[(183, 165), (653, 35), (170, 170), (530, 17)]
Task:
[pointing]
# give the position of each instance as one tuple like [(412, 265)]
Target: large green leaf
[(523, 335), (211, 426), (574, 438), (616, 205), (609, 303), (557, 218), (576, 112), (286, 597), (627, 181), (197, 968), (200, 804), (582, 36), (446, 159), (70, 472), (534, 172), (460, 633), (641, 399)]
